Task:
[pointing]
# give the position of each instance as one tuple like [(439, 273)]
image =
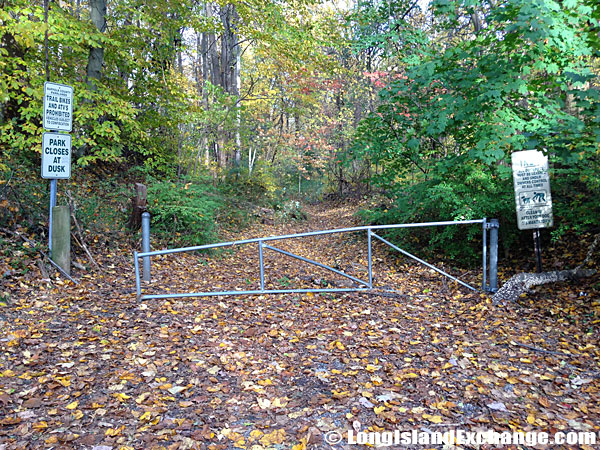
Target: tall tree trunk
[(96, 56)]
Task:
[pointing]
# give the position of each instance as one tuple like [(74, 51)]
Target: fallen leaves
[(265, 371)]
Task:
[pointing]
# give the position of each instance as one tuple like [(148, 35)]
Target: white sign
[(532, 190), (56, 155), (58, 107)]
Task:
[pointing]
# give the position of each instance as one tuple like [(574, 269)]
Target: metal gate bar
[(256, 292), (493, 225)]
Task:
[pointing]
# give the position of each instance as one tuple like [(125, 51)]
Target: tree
[(493, 79)]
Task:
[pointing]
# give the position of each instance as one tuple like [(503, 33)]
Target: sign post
[(533, 200), (56, 148)]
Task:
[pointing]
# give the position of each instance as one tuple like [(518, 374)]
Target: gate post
[(146, 244), (370, 256), (494, 225), (262, 265)]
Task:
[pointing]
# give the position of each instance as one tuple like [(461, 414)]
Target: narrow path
[(88, 367)]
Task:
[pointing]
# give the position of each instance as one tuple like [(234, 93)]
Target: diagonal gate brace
[(431, 266), (310, 261)]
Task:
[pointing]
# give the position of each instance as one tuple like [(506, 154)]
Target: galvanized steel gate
[(490, 227)]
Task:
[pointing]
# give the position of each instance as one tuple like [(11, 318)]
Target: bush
[(184, 213), (468, 193)]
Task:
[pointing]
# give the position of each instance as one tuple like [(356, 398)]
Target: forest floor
[(87, 366)]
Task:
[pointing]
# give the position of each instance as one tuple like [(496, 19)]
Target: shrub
[(184, 213)]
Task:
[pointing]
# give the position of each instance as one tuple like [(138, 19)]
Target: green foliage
[(23, 199), (184, 213), (470, 192), (260, 187), (449, 120)]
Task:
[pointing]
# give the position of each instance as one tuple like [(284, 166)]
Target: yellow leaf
[(73, 405), (530, 419), (340, 394), (114, 431), (65, 381), (301, 445), (276, 437), (254, 435), (140, 398), (379, 409), (121, 397), (40, 425), (146, 416), (339, 345), (77, 414), (279, 402), (433, 419)]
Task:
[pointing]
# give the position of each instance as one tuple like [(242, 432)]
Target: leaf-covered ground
[(88, 367)]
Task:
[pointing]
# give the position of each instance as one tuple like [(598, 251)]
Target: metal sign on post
[(57, 115), (532, 190), (56, 156), (58, 107), (532, 195)]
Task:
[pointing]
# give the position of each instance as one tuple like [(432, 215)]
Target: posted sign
[(56, 155), (58, 107), (532, 190)]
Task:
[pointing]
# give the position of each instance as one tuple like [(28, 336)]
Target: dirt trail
[(89, 367)]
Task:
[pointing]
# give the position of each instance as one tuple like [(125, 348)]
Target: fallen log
[(522, 282)]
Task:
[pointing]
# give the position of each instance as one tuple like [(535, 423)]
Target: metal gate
[(490, 227)]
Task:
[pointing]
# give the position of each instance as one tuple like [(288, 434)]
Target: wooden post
[(61, 237), (138, 206)]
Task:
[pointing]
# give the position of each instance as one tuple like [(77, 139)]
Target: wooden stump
[(139, 205)]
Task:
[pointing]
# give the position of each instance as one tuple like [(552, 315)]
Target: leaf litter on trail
[(87, 365)]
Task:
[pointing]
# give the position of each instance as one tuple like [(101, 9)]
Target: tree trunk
[(96, 55), (520, 283), (139, 205)]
